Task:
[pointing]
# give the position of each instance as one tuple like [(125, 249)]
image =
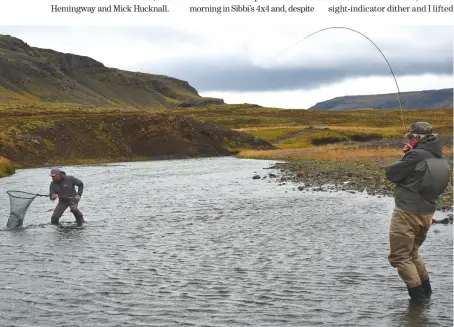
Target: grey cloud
[(234, 74), (164, 35), (417, 51)]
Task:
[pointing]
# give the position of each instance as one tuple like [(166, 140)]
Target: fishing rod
[(376, 46)]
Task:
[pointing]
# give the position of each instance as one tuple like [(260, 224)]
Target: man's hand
[(411, 144), (407, 147), (77, 198), (53, 196)]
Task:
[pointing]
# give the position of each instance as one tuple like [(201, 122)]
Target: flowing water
[(200, 243)]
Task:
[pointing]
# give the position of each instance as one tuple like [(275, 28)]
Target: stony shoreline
[(353, 177)]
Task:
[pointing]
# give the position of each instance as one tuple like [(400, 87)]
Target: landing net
[(19, 203)]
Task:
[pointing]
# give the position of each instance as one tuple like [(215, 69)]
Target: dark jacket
[(65, 187), (421, 176)]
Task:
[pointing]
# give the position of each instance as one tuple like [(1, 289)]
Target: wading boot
[(79, 217), (54, 220), (417, 293), (426, 287)]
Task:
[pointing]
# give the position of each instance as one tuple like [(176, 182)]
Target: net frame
[(19, 202)]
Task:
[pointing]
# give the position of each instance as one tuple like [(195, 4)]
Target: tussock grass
[(331, 153), (6, 167)]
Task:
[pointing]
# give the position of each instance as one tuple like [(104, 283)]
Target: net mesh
[(19, 203)]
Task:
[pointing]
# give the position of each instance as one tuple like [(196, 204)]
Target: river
[(198, 242)]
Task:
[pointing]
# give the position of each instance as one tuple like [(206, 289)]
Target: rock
[(444, 221), (300, 188), (256, 177), (272, 175)]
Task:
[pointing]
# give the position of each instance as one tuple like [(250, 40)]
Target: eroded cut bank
[(39, 140)]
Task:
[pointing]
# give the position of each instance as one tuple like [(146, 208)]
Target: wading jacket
[(65, 187), (421, 176)]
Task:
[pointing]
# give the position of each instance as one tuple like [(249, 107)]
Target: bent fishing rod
[(376, 46)]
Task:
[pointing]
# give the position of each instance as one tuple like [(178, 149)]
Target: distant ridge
[(428, 99)]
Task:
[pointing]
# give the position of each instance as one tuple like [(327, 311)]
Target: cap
[(421, 128), (54, 171)]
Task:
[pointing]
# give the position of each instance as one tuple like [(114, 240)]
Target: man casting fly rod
[(421, 176), (63, 187)]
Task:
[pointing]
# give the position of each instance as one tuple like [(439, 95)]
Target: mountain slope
[(429, 99), (31, 75)]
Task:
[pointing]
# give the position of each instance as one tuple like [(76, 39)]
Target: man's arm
[(79, 184), (403, 168), (52, 191)]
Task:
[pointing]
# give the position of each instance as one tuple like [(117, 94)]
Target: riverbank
[(41, 137), (349, 167)]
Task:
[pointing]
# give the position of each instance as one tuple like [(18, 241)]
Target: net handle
[(35, 194)]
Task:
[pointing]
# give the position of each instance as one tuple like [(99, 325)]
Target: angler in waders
[(421, 176), (63, 187)]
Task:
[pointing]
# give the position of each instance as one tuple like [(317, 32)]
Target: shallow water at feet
[(200, 243)]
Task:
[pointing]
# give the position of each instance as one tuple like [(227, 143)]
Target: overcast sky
[(249, 64)]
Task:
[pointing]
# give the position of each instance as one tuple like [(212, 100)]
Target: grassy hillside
[(429, 99), (272, 124), (30, 75)]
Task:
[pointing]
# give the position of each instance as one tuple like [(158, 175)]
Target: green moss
[(35, 124), (48, 144), (103, 134), (6, 167)]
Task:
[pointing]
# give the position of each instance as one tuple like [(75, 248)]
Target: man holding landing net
[(63, 187)]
